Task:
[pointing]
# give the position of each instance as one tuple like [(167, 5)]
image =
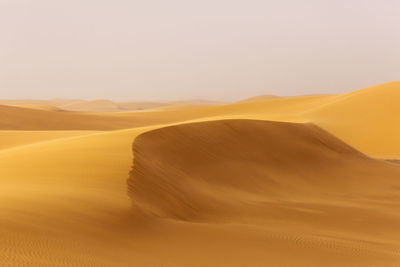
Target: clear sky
[(187, 49)]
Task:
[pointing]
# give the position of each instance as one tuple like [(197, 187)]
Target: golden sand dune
[(109, 106), (59, 198), (84, 105), (20, 118), (35, 102), (234, 158), (143, 105), (12, 139), (23, 118), (273, 175), (368, 119), (207, 187), (41, 107), (270, 204), (258, 98), (102, 105), (364, 118), (94, 105)]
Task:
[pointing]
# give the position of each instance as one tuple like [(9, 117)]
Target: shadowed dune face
[(224, 169)]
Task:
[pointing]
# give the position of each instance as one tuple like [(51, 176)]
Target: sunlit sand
[(270, 181)]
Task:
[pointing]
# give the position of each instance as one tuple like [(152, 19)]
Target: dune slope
[(272, 175), (12, 139), (69, 205), (366, 118)]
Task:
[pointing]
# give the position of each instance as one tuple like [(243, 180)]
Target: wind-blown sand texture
[(292, 181)]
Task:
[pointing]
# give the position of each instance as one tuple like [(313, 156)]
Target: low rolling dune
[(363, 119), (95, 105), (102, 105), (291, 181), (258, 98), (28, 102), (13, 139)]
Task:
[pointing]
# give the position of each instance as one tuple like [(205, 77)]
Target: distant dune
[(95, 105), (141, 105), (26, 118), (41, 107), (102, 105), (28, 102), (363, 118), (258, 98)]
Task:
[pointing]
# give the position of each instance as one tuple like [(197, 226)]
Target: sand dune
[(27, 118), (174, 165), (270, 174), (102, 105), (19, 118), (258, 98), (37, 102), (77, 212), (364, 118), (287, 109), (95, 105), (12, 139), (41, 107), (367, 119), (143, 105), (211, 185)]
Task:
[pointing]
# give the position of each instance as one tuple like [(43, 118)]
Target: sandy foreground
[(270, 181)]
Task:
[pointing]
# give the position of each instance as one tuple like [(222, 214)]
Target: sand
[(294, 181), (258, 98), (102, 105)]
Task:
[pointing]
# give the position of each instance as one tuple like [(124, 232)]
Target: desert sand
[(102, 105), (288, 181)]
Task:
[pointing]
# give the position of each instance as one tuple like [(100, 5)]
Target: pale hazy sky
[(186, 49)]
